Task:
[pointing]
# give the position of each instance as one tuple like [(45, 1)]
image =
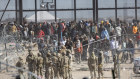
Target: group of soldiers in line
[(58, 65), (95, 63), (55, 65)]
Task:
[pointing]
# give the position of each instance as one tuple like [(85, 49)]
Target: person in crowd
[(138, 39), (78, 49), (135, 28), (130, 46), (85, 47), (21, 65), (104, 34), (92, 63), (105, 47), (118, 32), (69, 44), (114, 45), (25, 32), (124, 52), (41, 34)]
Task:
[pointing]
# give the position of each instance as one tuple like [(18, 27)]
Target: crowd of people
[(83, 40)]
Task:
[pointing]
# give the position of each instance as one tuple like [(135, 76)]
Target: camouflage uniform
[(115, 65), (20, 64), (92, 62), (65, 65), (55, 64), (31, 59), (69, 64), (39, 64), (100, 64), (59, 64), (44, 58), (49, 74), (63, 49)]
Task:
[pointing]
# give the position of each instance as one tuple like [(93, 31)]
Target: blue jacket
[(104, 34)]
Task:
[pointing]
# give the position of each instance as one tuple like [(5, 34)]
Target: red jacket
[(138, 37), (63, 27), (41, 34)]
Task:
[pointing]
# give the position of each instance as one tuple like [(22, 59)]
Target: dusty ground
[(81, 70)]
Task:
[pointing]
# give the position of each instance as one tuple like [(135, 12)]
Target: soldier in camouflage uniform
[(49, 74), (92, 63), (65, 65), (20, 64), (55, 64), (39, 65), (59, 64), (63, 49), (115, 65), (69, 64), (44, 57), (100, 64), (31, 60)]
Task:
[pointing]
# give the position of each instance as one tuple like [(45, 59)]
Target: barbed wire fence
[(12, 54), (106, 66)]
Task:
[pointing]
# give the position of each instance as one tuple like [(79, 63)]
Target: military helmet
[(30, 53), (39, 54), (68, 51), (64, 53), (115, 54), (58, 54), (100, 53), (54, 54), (63, 47), (29, 50), (59, 51), (48, 54), (49, 51), (92, 54), (20, 58)]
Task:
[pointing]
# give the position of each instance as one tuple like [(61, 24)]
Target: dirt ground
[(81, 70)]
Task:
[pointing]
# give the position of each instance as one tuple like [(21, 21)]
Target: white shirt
[(63, 42), (78, 44), (118, 30), (114, 44)]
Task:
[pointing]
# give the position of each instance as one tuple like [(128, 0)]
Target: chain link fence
[(68, 15), (11, 49)]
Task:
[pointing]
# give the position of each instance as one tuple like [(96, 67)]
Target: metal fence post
[(0, 65), (118, 60), (36, 12), (97, 11), (136, 10), (116, 11), (20, 11), (55, 11), (93, 5), (75, 10), (6, 58)]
